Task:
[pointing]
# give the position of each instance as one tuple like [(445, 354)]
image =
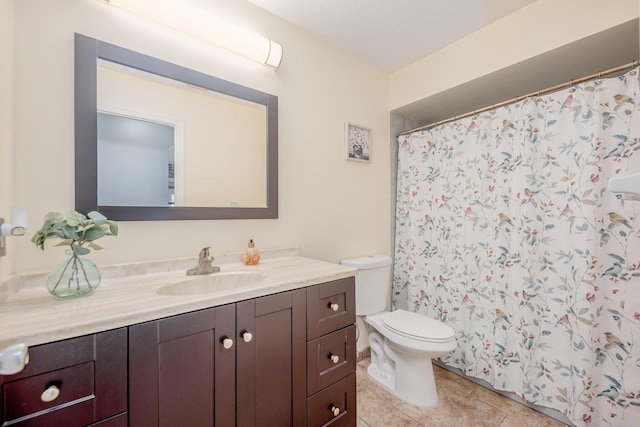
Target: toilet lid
[(417, 326)]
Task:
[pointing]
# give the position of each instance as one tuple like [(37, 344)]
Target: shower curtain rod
[(520, 98)]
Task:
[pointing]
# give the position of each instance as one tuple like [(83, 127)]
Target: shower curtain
[(505, 231)]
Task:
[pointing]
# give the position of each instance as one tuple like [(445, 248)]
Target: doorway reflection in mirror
[(136, 162)]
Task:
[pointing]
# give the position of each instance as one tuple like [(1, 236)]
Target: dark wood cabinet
[(286, 359), (271, 362), (331, 354), (181, 370), (75, 382), (239, 364), (289, 360)]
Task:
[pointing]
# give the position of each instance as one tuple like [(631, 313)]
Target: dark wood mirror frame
[(87, 53)]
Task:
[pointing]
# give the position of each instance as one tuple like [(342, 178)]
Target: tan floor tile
[(461, 403), (496, 400), (452, 379), (525, 415), (378, 412), (529, 418), (472, 412), (362, 379)]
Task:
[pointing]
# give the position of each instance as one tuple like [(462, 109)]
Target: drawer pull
[(227, 343), (334, 358), (247, 336), (50, 394), (335, 411), (334, 306)]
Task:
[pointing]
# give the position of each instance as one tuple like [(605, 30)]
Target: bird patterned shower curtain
[(505, 231)]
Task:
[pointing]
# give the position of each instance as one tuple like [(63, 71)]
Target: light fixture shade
[(188, 19), (275, 54)]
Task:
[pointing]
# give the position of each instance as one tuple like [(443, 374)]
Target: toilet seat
[(417, 326)]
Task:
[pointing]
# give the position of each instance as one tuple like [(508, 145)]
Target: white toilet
[(402, 343)]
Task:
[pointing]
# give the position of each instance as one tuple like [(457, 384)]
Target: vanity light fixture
[(187, 18)]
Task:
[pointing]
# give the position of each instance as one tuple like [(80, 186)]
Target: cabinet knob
[(334, 306), (50, 394), (227, 343), (334, 358), (335, 411), (247, 336)]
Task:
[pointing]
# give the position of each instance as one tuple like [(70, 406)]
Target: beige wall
[(331, 207), (6, 121), (538, 28)]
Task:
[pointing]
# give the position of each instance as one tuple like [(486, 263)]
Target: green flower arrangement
[(76, 276), (76, 230)]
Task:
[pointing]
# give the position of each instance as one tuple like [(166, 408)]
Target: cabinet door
[(271, 362), (179, 371)]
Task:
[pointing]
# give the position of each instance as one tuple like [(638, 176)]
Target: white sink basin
[(212, 284)]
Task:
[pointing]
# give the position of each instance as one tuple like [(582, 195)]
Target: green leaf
[(94, 246), (79, 250), (93, 233), (97, 217), (69, 232), (74, 218), (113, 227), (53, 217)]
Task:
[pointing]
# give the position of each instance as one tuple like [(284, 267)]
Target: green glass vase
[(74, 277)]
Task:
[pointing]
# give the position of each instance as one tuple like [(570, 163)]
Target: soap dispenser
[(251, 255)]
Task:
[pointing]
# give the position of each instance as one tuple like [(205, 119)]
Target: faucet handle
[(204, 253)]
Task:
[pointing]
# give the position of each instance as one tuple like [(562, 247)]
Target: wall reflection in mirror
[(162, 142)]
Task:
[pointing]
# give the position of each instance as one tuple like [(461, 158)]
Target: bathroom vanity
[(281, 352)]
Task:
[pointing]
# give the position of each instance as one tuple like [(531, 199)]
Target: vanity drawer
[(64, 388), (121, 420), (341, 398), (89, 371), (330, 358), (330, 306)]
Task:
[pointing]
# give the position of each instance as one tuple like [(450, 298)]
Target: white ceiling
[(391, 33), (395, 33)]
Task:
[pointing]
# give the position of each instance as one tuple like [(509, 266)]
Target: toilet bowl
[(402, 343), (402, 346)]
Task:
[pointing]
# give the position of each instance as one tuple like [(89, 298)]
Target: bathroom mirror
[(157, 141)]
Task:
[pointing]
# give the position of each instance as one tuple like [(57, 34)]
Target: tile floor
[(462, 404)]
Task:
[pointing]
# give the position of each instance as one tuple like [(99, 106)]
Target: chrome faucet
[(204, 264)]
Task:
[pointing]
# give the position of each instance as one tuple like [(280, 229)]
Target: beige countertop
[(127, 295)]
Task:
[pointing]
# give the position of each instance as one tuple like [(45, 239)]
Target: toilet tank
[(373, 283)]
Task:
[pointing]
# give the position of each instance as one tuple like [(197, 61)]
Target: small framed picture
[(357, 142)]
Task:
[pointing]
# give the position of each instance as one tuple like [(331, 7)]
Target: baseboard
[(364, 354)]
